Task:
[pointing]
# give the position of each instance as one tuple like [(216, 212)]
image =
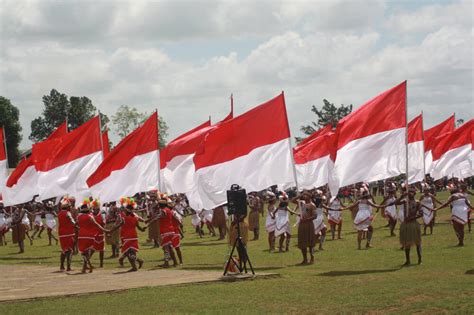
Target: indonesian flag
[(22, 185), (452, 153), (371, 143), (314, 160), (131, 167), (416, 151), (316, 134), (429, 138), (66, 162), (105, 143), (251, 150), (3, 162)]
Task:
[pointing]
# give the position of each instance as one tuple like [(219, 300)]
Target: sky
[(186, 58)]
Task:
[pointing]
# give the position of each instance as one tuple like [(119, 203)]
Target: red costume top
[(128, 230), (87, 228), (166, 221), (99, 219), (65, 226)]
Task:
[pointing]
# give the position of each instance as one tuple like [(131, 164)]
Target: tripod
[(242, 251)]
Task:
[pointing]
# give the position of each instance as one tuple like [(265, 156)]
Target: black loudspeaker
[(237, 201)]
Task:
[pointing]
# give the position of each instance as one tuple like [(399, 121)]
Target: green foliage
[(57, 108), (459, 122), (328, 114), (127, 119), (9, 120)]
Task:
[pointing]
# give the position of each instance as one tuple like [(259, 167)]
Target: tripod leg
[(230, 257)]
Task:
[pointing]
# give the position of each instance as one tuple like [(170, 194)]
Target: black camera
[(236, 201)]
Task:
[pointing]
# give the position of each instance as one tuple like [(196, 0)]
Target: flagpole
[(406, 149), (423, 137), (5, 146), (100, 134), (290, 146), (159, 162), (232, 103)]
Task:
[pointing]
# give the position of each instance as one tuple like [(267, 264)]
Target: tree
[(328, 114), (58, 107), (127, 119), (459, 122), (9, 120)]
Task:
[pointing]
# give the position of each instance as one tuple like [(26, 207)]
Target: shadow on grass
[(25, 258), (206, 243), (355, 272), (470, 272)]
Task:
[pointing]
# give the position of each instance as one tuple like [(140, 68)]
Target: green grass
[(342, 280)]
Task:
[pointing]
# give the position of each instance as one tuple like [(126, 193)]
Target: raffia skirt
[(18, 233), (218, 218), (410, 233), (306, 236), (254, 220), (154, 231), (114, 238), (244, 233)]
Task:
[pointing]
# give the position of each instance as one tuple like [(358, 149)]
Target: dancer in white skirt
[(196, 222), (464, 188), (282, 219), (270, 223), (206, 217), (4, 225), (335, 216), (38, 221), (459, 213), (319, 227), (50, 217), (390, 211), (428, 201)]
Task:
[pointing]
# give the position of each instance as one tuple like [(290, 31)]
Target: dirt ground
[(31, 282)]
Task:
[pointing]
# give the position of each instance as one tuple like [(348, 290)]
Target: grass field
[(342, 280)]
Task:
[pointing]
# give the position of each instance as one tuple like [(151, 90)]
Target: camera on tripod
[(236, 201)]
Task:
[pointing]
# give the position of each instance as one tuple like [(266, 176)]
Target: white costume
[(25, 220), (50, 221), (282, 219), (196, 219), (363, 217), (460, 211), (3, 222), (335, 217), (207, 216), (428, 215), (270, 222), (318, 222), (38, 220), (401, 212), (391, 211)]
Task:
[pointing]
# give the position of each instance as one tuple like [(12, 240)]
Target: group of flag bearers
[(373, 143)]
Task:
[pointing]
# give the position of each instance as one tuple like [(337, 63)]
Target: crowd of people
[(87, 227)]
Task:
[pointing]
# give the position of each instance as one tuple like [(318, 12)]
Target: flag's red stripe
[(316, 134), (142, 140), (105, 143), (415, 129), (452, 140), (385, 112), (439, 129), (263, 125), (318, 148)]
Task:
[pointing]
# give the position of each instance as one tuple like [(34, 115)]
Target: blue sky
[(187, 57)]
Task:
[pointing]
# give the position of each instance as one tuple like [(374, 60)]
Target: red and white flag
[(314, 135), (3, 161), (131, 167), (105, 143), (429, 136), (66, 162), (252, 150), (22, 184), (416, 151), (314, 160), (452, 153), (371, 141)]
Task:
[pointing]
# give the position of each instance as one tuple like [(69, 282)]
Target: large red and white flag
[(252, 150), (314, 161), (105, 143), (452, 153), (3, 161), (66, 162), (429, 137), (416, 151), (371, 141), (22, 184), (131, 167)]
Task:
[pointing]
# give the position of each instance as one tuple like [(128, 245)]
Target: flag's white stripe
[(452, 163), (24, 190), (3, 174), (178, 175), (69, 178), (314, 173), (416, 157), (428, 162), (139, 175), (261, 168), (371, 158)]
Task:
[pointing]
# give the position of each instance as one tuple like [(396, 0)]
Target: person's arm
[(99, 226), (376, 205), (143, 229), (435, 200), (469, 204), (118, 223), (71, 219), (444, 204)]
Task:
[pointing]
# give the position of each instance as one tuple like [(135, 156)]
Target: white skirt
[(38, 221), (207, 216), (391, 212), (363, 220), (270, 224), (51, 223), (196, 220), (334, 217), (460, 215), (318, 224), (428, 216), (282, 226)]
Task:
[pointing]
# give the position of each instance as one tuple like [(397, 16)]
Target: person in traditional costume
[(20, 224), (429, 201), (254, 214), (219, 220), (38, 225), (282, 219), (4, 225), (206, 219), (177, 223), (320, 228), (153, 226), (390, 211), (66, 233), (99, 242), (50, 219), (464, 188), (111, 220), (460, 207), (306, 235), (169, 238), (196, 222), (335, 216), (86, 236), (128, 222), (270, 223)]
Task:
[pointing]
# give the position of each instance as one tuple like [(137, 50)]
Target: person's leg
[(101, 259), (21, 245), (407, 256), (282, 239), (180, 256), (68, 260), (132, 258), (370, 232), (311, 254), (62, 259), (322, 238), (305, 256), (339, 230), (418, 252), (288, 238), (41, 231), (333, 231), (359, 238)]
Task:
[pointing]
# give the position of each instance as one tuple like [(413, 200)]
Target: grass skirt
[(410, 234), (306, 236)]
